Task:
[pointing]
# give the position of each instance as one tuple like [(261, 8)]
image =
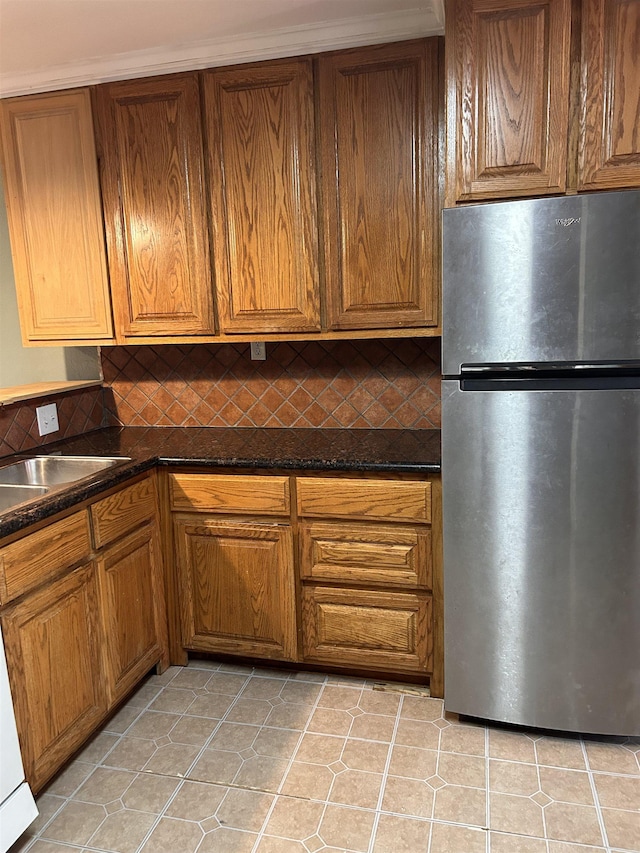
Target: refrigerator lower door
[(541, 499)]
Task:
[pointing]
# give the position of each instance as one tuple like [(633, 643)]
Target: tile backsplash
[(362, 384), (78, 411)]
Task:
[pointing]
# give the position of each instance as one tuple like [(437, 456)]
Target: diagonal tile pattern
[(393, 384), (217, 758)]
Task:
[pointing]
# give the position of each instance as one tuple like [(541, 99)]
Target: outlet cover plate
[(258, 351), (47, 419)]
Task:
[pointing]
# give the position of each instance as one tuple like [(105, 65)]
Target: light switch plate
[(47, 419), (258, 351)]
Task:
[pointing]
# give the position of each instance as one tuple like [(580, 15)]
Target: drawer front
[(366, 554), (379, 500), (230, 493), (116, 515), (368, 630), (28, 562)]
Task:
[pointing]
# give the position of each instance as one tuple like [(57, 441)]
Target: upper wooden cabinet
[(55, 218), (610, 132), (155, 211), (260, 143), (508, 75), (378, 109)]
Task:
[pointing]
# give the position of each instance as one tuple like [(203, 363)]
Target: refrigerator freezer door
[(542, 280), (541, 494)]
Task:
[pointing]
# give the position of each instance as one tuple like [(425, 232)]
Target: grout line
[(385, 776), (596, 799)]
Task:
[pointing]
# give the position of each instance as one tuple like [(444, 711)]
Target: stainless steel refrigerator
[(541, 462)]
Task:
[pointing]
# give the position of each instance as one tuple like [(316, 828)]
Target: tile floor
[(216, 758)]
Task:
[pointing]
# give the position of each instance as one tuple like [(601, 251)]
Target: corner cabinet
[(259, 122), (378, 123), (155, 210), (55, 218)]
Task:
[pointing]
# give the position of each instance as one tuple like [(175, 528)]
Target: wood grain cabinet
[(378, 122), (609, 153), (259, 123), (55, 218), (155, 209), (234, 566)]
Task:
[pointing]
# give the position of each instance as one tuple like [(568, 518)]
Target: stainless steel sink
[(13, 496), (51, 471)]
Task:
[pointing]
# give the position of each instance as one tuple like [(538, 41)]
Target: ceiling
[(55, 44)]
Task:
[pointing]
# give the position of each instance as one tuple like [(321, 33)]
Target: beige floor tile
[(446, 838), (506, 843), (47, 805), (253, 711), (262, 688), (193, 730), (269, 844), (245, 810), (131, 753), (339, 698), (300, 692), (560, 752), (153, 725), (457, 804), (211, 705), (511, 746), (75, 823), (104, 785), (196, 801), (401, 835), (469, 770), (167, 676), (379, 702), (276, 743), (516, 815), (565, 847), (373, 727), (215, 765), (143, 694), (308, 780), (304, 675), (96, 749), (622, 828), (618, 792), (412, 762), (122, 719), (612, 758), (289, 715), (365, 755), (567, 786), (171, 836), (422, 708), (513, 777), (320, 749), (174, 759), (346, 828), (417, 733), (330, 721), (71, 777), (224, 840), (190, 678), (356, 788), (234, 737), (469, 740), (408, 797), (173, 700), (123, 831), (41, 846), (294, 818), (575, 823), (150, 793), (261, 772), (203, 663), (225, 682)]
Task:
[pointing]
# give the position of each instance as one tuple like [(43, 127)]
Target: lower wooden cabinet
[(53, 641), (238, 590), (386, 631)]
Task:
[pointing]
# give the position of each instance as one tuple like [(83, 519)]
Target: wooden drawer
[(39, 556), (379, 500), (116, 515), (366, 554), (369, 630), (238, 493)]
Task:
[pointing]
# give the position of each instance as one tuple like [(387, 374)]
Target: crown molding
[(309, 38)]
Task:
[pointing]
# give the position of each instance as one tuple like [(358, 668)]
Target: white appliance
[(17, 806)]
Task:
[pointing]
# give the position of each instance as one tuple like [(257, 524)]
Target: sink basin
[(52, 471), (13, 496)]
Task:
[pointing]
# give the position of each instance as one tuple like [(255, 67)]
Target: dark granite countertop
[(374, 450)]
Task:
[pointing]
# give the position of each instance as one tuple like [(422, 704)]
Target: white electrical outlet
[(258, 351), (47, 419)]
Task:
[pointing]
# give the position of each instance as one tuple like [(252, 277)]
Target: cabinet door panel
[(610, 134), (508, 111), (53, 644), (238, 587), (55, 217), (259, 122), (133, 608), (155, 209), (378, 109)]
